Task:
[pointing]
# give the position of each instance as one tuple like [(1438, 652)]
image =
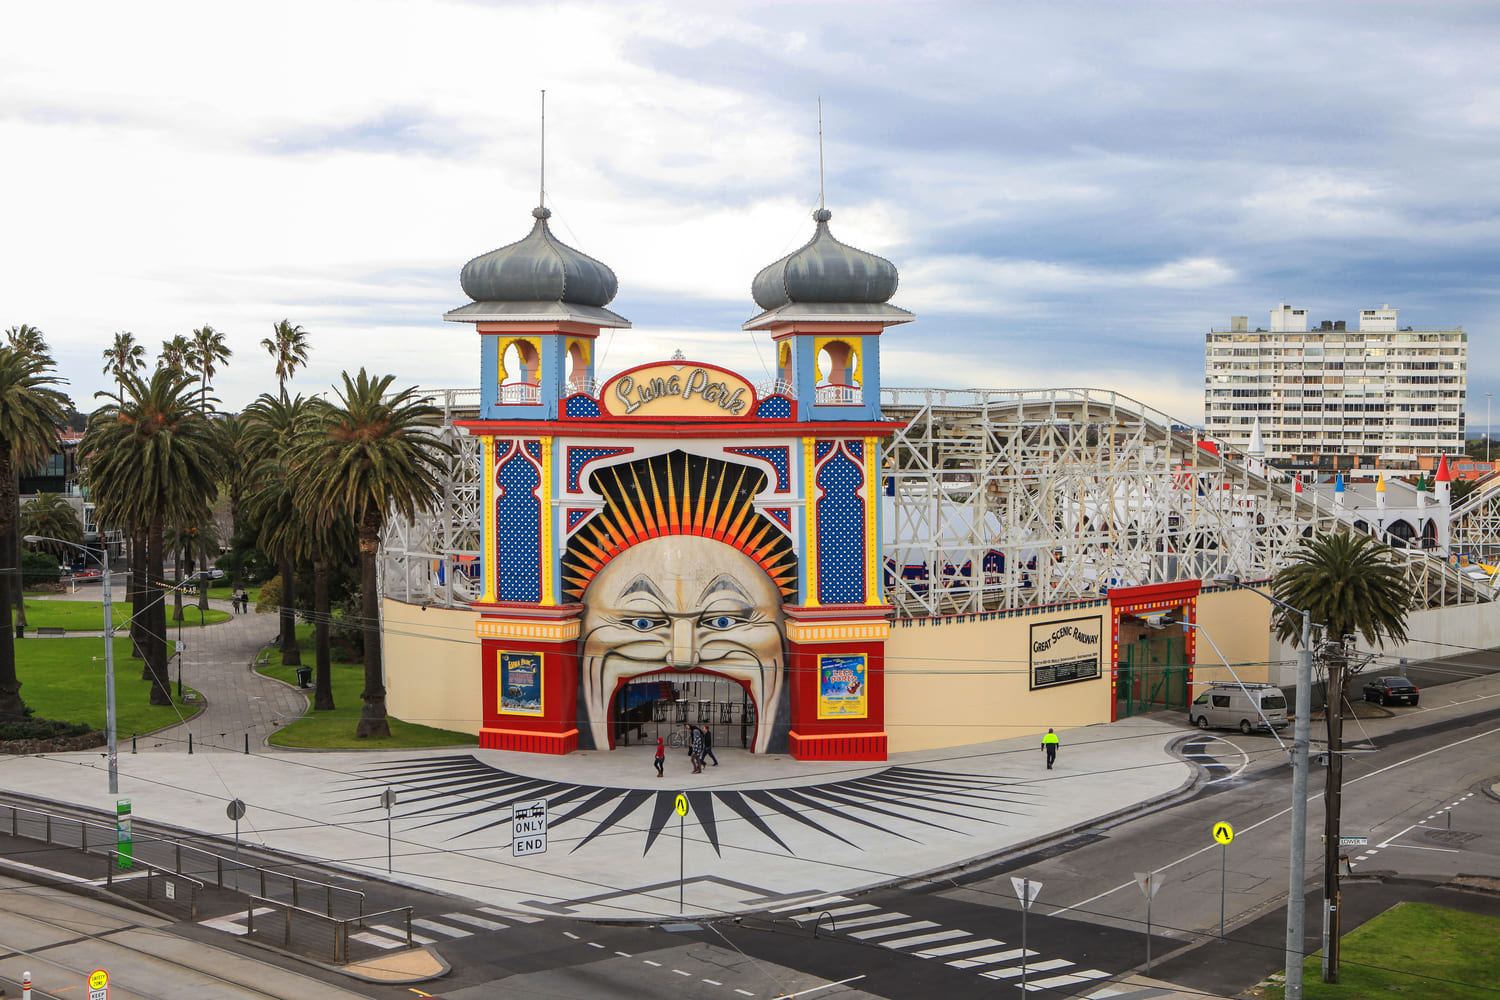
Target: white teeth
[(602, 676)]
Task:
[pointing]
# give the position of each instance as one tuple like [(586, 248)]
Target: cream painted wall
[(951, 683), (432, 661), (1239, 622)]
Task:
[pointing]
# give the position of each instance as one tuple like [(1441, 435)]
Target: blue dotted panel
[(782, 516), (841, 531), (581, 406), (774, 408), (518, 543), (576, 516), (780, 459), (579, 457), (822, 448)]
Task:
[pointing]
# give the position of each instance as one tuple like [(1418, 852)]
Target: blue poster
[(520, 683)]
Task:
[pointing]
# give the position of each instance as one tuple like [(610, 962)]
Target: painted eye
[(644, 624), (721, 622)]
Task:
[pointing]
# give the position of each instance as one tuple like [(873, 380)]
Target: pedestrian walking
[(695, 748), (1049, 744), (661, 756), (708, 746)]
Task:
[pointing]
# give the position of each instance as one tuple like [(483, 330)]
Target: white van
[(1228, 706)]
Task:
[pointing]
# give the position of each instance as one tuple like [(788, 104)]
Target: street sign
[(180, 647), (124, 838), (1223, 832), (1026, 890), (681, 804), (1353, 841), (1150, 883), (528, 828), (388, 798), (235, 810), (98, 985)]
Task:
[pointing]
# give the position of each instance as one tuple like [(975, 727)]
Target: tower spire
[(821, 205), (541, 198)]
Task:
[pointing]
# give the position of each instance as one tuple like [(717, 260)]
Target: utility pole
[(1332, 793)]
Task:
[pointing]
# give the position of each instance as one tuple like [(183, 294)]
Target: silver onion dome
[(825, 271), (539, 268)]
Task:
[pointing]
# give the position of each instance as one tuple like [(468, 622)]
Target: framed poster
[(520, 683), (1065, 651), (841, 686)]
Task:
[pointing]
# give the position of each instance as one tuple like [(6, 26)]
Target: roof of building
[(538, 269), (825, 271)]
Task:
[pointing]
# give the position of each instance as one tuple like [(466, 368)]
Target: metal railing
[(838, 395), (311, 925), (776, 387), (133, 872), (520, 393), (171, 856)]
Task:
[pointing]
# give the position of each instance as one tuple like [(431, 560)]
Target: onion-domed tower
[(538, 306), (825, 306)]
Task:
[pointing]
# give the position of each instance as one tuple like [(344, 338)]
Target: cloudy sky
[(1074, 192)]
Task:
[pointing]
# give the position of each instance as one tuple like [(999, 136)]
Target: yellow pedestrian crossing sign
[(681, 804), (1223, 832)]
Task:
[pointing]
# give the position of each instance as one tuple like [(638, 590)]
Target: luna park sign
[(678, 389)]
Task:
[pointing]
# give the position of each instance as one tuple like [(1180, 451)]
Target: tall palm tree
[(50, 516), (274, 423), (1351, 584), (27, 339), (31, 411), (174, 354), (239, 473), (124, 356), (153, 459), (207, 351), (369, 455), (287, 346)]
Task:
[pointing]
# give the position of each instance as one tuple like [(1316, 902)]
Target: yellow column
[(810, 521), (548, 600), (487, 497)]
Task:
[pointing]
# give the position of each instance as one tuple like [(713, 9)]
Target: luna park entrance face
[(666, 702)]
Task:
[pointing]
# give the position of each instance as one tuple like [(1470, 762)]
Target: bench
[(49, 630)]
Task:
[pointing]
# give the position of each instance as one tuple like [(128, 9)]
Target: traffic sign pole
[(1224, 834), (682, 810)]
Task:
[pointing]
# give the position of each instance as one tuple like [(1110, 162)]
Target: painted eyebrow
[(642, 585), (723, 582)]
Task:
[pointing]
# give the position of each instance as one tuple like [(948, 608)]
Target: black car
[(1392, 690)]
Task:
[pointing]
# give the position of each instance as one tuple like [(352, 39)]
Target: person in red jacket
[(661, 755)]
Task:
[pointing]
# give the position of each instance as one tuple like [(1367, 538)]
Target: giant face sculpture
[(686, 603), (679, 571)]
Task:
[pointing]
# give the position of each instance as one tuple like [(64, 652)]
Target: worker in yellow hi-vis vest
[(1049, 744)]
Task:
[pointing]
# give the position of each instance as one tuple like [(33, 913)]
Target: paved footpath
[(761, 833)]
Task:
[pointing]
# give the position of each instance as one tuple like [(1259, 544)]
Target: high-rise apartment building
[(1377, 396)]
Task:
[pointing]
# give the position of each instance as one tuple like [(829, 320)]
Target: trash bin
[(20, 631), (304, 677)]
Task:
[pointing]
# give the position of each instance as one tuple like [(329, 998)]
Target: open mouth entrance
[(665, 703)]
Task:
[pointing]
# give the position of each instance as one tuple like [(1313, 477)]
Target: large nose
[(683, 654)]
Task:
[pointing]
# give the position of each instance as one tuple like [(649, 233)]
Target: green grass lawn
[(335, 730), (64, 679), (1413, 950), (88, 616), (224, 592)]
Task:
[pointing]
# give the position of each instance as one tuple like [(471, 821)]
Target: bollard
[(247, 742), (190, 744), (26, 985), (132, 742)]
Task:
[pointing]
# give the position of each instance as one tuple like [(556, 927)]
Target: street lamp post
[(111, 737), (1296, 894), (188, 607)]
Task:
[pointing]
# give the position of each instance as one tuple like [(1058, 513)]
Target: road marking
[(878, 918), (1014, 971), (522, 918), (1414, 847), (915, 925), (960, 948), (909, 942), (990, 959), (809, 904), (469, 918), (595, 944), (624, 954), (745, 993), (378, 940), (1276, 816), (681, 973), (649, 962), (570, 934), (437, 928), (400, 934), (713, 982), (1071, 979), (856, 908)]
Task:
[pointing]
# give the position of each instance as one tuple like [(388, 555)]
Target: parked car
[(1392, 690), (1248, 708)]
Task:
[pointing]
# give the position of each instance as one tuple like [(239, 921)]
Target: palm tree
[(124, 356), (50, 516), (153, 460), (287, 346), (27, 339), (273, 426), (371, 455), (234, 435), (174, 353), (1352, 584), (207, 352), (30, 413)]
